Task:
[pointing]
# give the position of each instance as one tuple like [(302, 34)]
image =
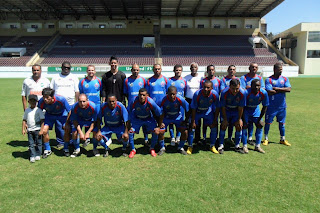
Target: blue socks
[(221, 137), (258, 136), (190, 137), (244, 137), (154, 140), (238, 138), (131, 140), (282, 129), (47, 146), (181, 144), (213, 136)]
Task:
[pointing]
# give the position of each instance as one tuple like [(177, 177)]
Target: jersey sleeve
[(124, 111), (81, 86), (243, 83), (73, 116), (125, 86), (185, 104), (148, 86), (76, 84), (156, 109), (262, 83), (25, 115), (265, 101), (222, 102), (268, 84), (216, 103), (24, 89), (243, 98), (96, 112), (66, 104), (287, 83)]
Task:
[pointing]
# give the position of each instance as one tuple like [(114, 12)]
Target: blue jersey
[(132, 86), (278, 100), (143, 111), (215, 83), (174, 109), (113, 117), (59, 107), (89, 113), (157, 88), (202, 103), (225, 82), (180, 84), (245, 81), (91, 89), (232, 102), (254, 100)]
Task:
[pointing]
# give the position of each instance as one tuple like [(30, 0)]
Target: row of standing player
[(135, 81)]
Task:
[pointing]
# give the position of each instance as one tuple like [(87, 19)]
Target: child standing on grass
[(32, 123)]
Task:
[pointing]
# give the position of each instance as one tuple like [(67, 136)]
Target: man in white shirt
[(66, 84), (193, 84), (33, 85)]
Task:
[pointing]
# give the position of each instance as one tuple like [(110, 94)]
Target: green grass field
[(285, 179)]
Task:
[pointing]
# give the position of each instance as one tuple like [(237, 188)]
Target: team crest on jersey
[(86, 86), (163, 83), (131, 84), (138, 108), (250, 100), (89, 113), (80, 113), (96, 85), (108, 113), (216, 85), (274, 82), (117, 113), (211, 100), (70, 79), (176, 105), (147, 108), (168, 107), (57, 107), (182, 85), (237, 99), (282, 82), (260, 98), (140, 84), (201, 101), (173, 83), (153, 83)]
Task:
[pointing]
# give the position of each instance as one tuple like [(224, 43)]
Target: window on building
[(248, 26), (102, 26), (200, 25), (85, 26), (69, 26), (118, 26), (314, 36), (51, 26), (13, 26), (167, 26), (34, 26), (233, 26), (184, 26), (313, 54), (217, 26)]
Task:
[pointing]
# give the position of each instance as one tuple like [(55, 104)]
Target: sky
[(292, 12)]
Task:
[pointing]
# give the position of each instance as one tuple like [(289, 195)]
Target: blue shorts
[(107, 131), (82, 124), (149, 124), (249, 118), (207, 118), (176, 122), (232, 116), (280, 113), (51, 119)]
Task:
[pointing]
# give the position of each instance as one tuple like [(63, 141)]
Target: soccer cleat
[(285, 142), (173, 142), (258, 149), (265, 142), (37, 158), (221, 151), (245, 150), (66, 153), (251, 142), (106, 153), (60, 146), (189, 150), (162, 151), (75, 153), (86, 143), (32, 159), (214, 150), (132, 153), (182, 151), (153, 153), (239, 149), (46, 153), (96, 153), (177, 140)]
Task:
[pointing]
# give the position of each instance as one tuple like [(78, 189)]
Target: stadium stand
[(31, 43)]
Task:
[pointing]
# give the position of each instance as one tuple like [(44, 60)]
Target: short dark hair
[(36, 65), (231, 66), (143, 90), (208, 82), (234, 82), (277, 65), (33, 97), (111, 95), (113, 58), (254, 81), (172, 88), (211, 65), (177, 66), (48, 91), (65, 63)]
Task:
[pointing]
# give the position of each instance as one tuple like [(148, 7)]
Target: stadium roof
[(134, 9)]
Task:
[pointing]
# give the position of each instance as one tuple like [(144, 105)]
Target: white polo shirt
[(193, 84), (32, 87), (66, 86)]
